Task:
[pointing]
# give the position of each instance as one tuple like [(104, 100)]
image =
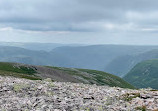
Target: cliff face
[(22, 94)]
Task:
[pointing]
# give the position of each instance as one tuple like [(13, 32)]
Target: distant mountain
[(61, 74), (94, 57), (97, 57), (36, 46), (123, 64), (144, 74), (15, 54)]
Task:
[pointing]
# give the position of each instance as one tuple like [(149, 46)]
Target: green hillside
[(128, 62), (95, 77), (144, 74), (10, 69), (62, 74)]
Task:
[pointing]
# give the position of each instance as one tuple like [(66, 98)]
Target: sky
[(80, 21)]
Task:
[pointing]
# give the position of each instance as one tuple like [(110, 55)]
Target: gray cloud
[(79, 21), (75, 15)]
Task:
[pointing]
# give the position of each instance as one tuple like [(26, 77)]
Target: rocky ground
[(26, 95)]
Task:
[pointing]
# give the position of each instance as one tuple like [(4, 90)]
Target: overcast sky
[(80, 21)]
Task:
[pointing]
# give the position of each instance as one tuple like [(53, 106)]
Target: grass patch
[(142, 108), (8, 69), (130, 96), (11, 68), (19, 75), (154, 90)]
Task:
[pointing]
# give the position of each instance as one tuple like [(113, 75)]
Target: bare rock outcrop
[(27, 95)]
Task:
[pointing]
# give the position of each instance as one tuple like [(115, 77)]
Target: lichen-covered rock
[(26, 95), (48, 80), (18, 87)]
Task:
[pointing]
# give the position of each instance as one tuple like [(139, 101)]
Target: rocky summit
[(44, 95)]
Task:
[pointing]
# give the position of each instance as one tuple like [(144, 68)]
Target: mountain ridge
[(129, 61), (61, 74), (96, 57), (144, 74)]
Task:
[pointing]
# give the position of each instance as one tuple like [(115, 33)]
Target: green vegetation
[(130, 96), (19, 69), (142, 108), (96, 77), (144, 74), (18, 87), (77, 75), (109, 79), (153, 90), (8, 69), (48, 80), (19, 75)]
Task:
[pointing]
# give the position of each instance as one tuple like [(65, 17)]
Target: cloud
[(79, 21), (6, 29), (76, 15)]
